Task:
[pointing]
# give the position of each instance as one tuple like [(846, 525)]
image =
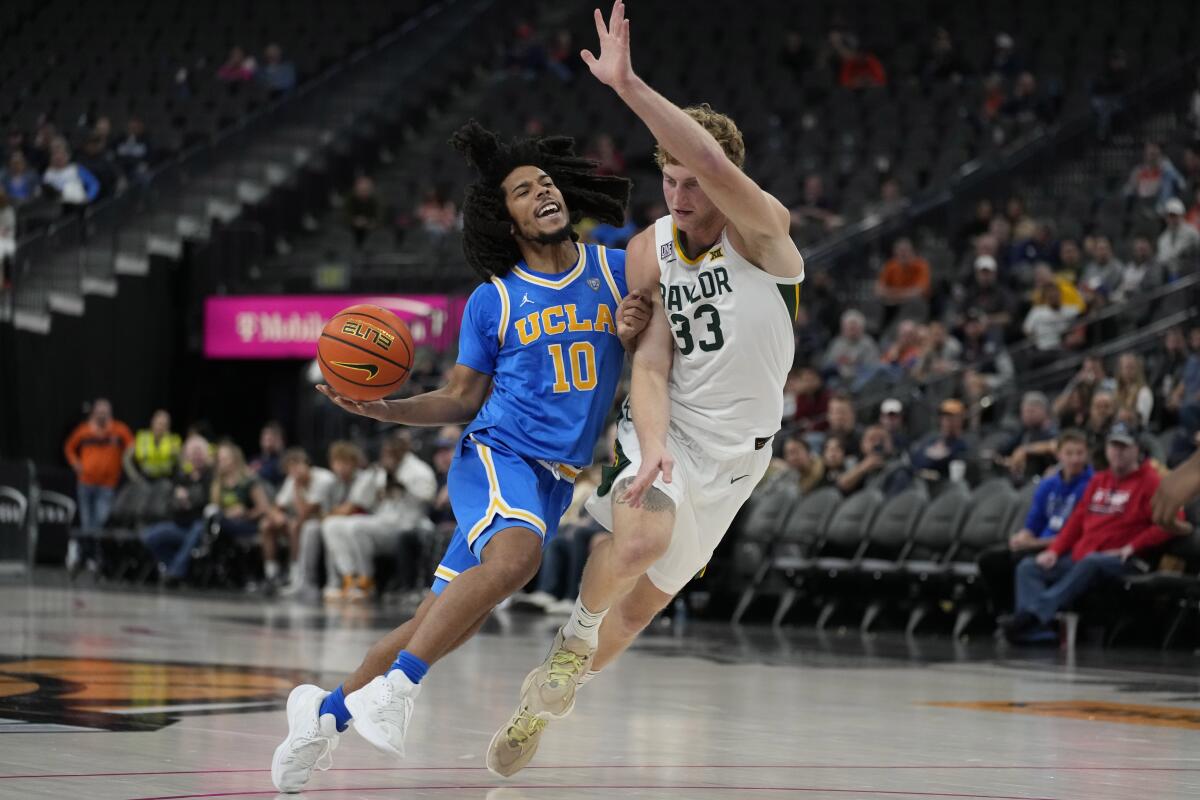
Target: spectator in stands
[(1031, 450), (357, 494), (1090, 378), (1141, 274), (307, 495), (983, 350), (191, 484), (1105, 266), (1053, 501), (437, 212), (891, 419), (1133, 393), (891, 198), (268, 466), (1108, 530), (43, 137), (444, 448), (94, 450), (74, 185), (942, 62), (155, 451), (975, 227), (1044, 280), (808, 469), (562, 58), (276, 74), (1179, 243), (8, 238), (875, 452), (1026, 107), (979, 397), (905, 279), (404, 487), (833, 457), (100, 161), (1168, 365), (135, 154), (842, 422), (796, 57), (363, 211), (853, 350), (1185, 398), (1032, 249), (238, 67), (933, 455), (1107, 90), (857, 68), (612, 236), (1046, 323), (1102, 414), (810, 399), (603, 150), (20, 183), (988, 295), (942, 355), (1068, 263), (1154, 181), (1004, 61), (906, 349), (816, 206)]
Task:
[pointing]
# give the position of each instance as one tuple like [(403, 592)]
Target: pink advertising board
[(288, 326)]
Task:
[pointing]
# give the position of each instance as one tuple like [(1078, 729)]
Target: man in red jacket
[(1110, 524)]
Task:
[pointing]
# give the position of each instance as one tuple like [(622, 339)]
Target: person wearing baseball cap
[(1106, 536), (1179, 243), (891, 417), (932, 456), (986, 294)]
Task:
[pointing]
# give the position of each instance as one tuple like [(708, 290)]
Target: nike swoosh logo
[(738, 478), (370, 369)]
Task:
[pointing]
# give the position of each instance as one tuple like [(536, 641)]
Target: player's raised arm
[(754, 213)]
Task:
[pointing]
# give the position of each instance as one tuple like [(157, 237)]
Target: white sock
[(271, 570), (587, 676), (584, 624)]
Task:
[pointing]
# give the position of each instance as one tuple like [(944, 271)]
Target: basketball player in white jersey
[(706, 396)]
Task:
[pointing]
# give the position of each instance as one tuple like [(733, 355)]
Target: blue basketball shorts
[(492, 488)]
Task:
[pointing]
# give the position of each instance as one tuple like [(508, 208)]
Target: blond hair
[(342, 450), (720, 126)]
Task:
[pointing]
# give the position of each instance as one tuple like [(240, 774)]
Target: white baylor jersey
[(734, 342)]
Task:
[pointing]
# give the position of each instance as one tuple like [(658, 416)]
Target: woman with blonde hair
[(1133, 393)]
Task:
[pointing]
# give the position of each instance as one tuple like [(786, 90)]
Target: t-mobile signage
[(288, 326)]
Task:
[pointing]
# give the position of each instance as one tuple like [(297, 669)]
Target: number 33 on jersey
[(550, 341), (734, 341)]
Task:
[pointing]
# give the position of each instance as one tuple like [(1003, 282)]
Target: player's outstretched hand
[(613, 67), (652, 466), (375, 409), (633, 315)]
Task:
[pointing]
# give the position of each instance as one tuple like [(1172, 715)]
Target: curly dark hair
[(488, 242)]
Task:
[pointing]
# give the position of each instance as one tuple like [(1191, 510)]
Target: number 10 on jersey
[(581, 357)]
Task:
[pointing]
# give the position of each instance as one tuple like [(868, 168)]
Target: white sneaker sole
[(299, 705), (367, 728)]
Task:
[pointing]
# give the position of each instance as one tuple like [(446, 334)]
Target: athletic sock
[(584, 624), (413, 667), (587, 676), (271, 570), (335, 703)]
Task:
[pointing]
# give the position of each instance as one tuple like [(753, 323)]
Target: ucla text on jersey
[(550, 343)]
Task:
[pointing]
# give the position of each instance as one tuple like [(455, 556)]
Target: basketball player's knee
[(635, 554), (514, 572)]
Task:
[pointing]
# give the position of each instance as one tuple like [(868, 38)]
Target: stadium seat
[(802, 530), (844, 542), (925, 558), (769, 507)]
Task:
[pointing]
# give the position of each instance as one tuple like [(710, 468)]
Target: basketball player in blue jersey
[(540, 356), (706, 396)]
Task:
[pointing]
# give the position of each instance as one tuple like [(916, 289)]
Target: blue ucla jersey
[(550, 343)]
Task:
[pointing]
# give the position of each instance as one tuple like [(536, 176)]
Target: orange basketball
[(365, 352)]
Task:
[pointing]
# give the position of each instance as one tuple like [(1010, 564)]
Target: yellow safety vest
[(156, 459)]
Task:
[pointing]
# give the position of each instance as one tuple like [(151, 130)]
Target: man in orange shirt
[(94, 450), (905, 278)]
